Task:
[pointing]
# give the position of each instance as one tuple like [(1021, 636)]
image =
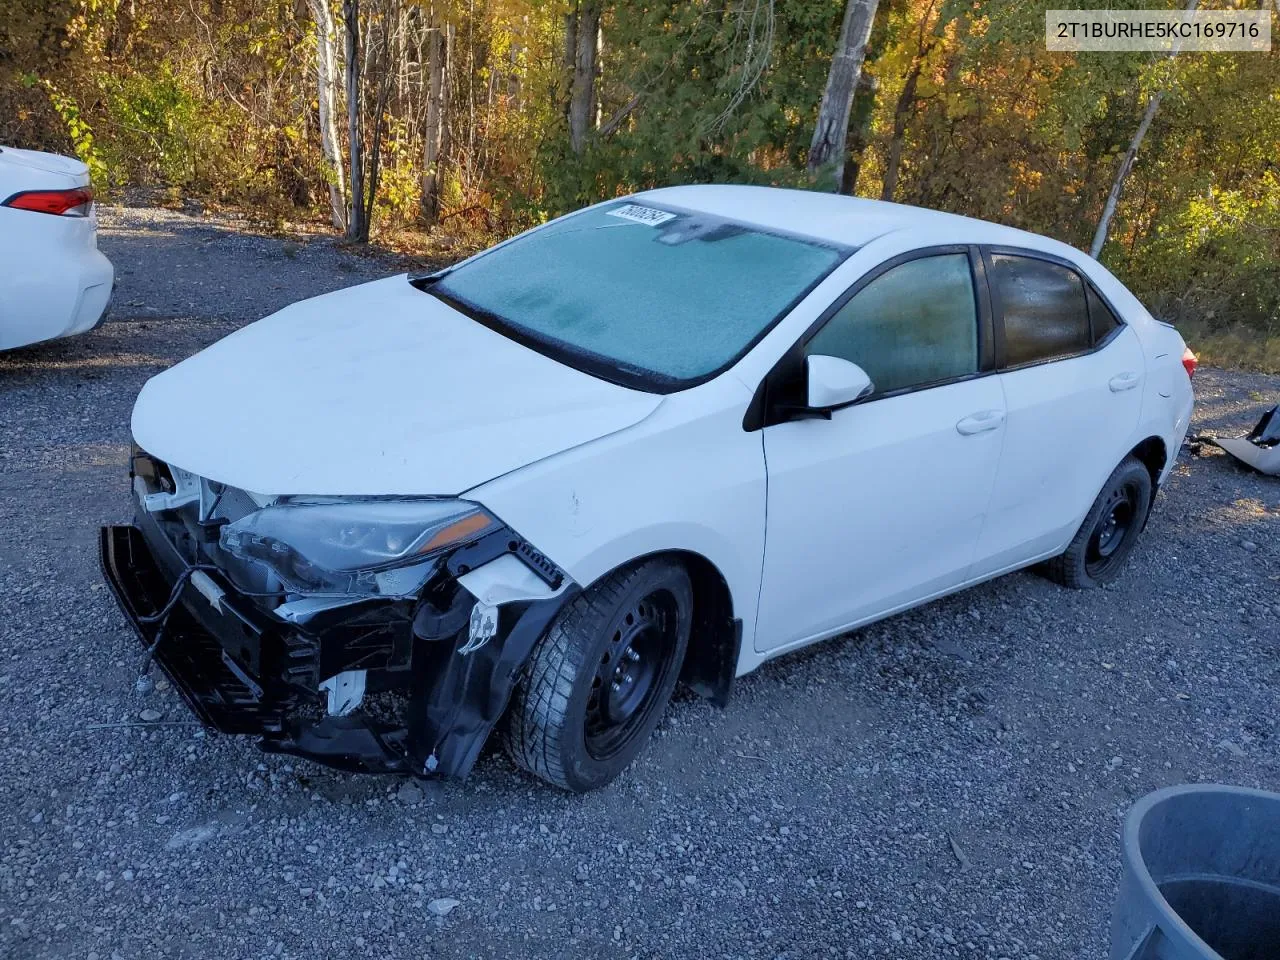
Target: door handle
[(980, 422), (1123, 381)]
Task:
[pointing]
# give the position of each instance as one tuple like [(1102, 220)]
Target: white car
[(666, 437), (53, 280)]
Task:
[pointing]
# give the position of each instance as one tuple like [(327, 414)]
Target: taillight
[(1189, 362), (61, 203)]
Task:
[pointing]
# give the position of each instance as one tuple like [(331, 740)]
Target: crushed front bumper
[(243, 670), (216, 688)]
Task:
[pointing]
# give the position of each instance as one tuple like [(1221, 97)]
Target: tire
[(1098, 552), (575, 719)]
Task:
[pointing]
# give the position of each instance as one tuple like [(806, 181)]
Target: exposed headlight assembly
[(376, 547)]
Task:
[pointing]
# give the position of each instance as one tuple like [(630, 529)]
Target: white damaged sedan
[(662, 439)]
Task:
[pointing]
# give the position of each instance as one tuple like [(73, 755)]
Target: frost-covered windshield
[(648, 296)]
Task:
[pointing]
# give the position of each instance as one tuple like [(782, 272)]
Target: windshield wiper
[(423, 280)]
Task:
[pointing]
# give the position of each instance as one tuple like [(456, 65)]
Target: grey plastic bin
[(1201, 876)]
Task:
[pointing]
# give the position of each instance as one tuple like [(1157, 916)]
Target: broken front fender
[(471, 636), (460, 693)]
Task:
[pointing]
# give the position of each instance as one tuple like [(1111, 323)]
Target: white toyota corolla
[(667, 437), (53, 280)]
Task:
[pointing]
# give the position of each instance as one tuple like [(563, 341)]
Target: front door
[(882, 505)]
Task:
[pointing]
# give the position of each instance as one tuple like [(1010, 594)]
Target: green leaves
[(216, 98)]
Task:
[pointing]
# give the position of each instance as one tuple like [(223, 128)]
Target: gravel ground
[(948, 783)]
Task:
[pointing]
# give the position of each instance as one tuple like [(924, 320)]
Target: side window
[(1043, 306), (1100, 315), (916, 323)]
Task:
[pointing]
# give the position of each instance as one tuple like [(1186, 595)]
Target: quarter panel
[(46, 263)]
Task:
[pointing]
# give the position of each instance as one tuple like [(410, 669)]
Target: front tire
[(1104, 541), (597, 684)]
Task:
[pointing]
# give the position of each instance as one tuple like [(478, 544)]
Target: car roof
[(835, 218)]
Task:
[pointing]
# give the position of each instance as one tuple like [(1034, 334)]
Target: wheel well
[(714, 644), (1154, 455), (716, 639)]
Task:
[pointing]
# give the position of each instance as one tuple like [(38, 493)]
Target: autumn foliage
[(476, 118)]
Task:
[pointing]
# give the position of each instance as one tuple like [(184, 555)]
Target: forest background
[(443, 125)]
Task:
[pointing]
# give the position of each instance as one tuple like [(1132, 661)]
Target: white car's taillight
[(75, 202), (1189, 362)]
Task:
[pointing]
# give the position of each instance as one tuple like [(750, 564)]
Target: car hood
[(378, 389)]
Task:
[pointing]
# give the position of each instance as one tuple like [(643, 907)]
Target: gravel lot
[(948, 783)]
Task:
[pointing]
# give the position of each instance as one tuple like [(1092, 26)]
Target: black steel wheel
[(1098, 552), (597, 684), (632, 670), (1112, 529)]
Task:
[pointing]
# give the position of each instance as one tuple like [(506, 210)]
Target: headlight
[(355, 546)]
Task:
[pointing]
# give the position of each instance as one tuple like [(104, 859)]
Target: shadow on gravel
[(113, 350), (171, 264)]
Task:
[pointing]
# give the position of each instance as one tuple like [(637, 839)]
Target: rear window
[(1100, 315), (641, 294), (1043, 308)]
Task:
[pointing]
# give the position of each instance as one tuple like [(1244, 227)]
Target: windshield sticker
[(650, 216)]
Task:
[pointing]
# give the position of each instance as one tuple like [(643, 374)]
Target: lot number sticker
[(646, 215)]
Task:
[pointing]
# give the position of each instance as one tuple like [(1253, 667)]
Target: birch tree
[(327, 98), (1130, 157), (827, 151)]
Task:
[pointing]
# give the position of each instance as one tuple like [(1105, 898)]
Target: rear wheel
[(597, 684), (1104, 541)]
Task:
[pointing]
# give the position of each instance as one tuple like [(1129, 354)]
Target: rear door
[(1073, 383)]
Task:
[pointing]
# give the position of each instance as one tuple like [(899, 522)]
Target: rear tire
[(1098, 552), (597, 684)]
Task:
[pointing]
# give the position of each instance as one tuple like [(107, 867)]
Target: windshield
[(639, 294)]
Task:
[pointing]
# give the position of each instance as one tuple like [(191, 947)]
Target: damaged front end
[(380, 635)]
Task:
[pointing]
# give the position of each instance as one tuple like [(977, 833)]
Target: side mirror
[(835, 383)]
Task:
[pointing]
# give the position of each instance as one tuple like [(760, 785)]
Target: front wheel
[(597, 684), (1104, 541)]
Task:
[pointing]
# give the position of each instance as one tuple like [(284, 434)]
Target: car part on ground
[(53, 281), (1260, 447), (1097, 552), (1201, 876), (598, 682)]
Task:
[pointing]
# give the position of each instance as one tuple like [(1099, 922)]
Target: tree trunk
[(864, 108), (327, 97), (565, 90), (1130, 156), (902, 111), (434, 127), (357, 227), (582, 92), (380, 79), (827, 151)]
